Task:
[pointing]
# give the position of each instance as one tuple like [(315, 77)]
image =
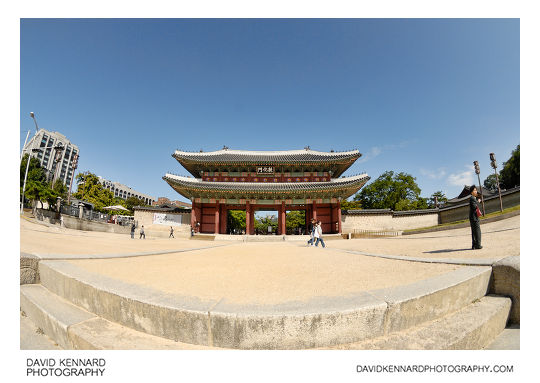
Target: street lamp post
[(477, 171), (29, 158), (58, 149), (494, 166), (26, 176), (74, 166)]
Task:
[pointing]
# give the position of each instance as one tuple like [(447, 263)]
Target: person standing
[(474, 219), (142, 235), (132, 230), (311, 233), (318, 234), (171, 234)]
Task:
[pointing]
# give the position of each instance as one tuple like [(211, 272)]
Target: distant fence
[(356, 233)]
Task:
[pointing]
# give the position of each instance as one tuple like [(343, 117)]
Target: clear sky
[(421, 96)]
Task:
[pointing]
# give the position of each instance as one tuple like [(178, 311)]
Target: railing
[(374, 233), (70, 210)]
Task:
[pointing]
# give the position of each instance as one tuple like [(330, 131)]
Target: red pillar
[(333, 219), (193, 216), (249, 219), (282, 219), (339, 216), (223, 220), (196, 216), (314, 213), (216, 219)]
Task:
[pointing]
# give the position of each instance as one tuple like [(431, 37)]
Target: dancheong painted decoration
[(283, 181)]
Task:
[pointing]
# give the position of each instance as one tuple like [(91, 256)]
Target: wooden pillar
[(282, 219), (196, 216), (314, 212), (223, 218), (216, 218), (193, 216), (339, 216), (333, 218), (249, 218)]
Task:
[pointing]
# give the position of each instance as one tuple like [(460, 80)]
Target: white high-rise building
[(124, 192), (47, 141)]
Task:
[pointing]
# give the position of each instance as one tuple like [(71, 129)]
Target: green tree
[(237, 220), (392, 191), (441, 199), (60, 189), (132, 202), (262, 223), (350, 205), (90, 189), (294, 220), (35, 171), (509, 176), (490, 183)]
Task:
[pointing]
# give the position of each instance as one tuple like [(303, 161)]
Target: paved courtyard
[(267, 272)]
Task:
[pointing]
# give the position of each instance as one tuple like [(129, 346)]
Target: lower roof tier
[(335, 188)]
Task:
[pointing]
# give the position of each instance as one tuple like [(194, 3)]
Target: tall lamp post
[(494, 166), (74, 166), (29, 157), (477, 171), (58, 150)]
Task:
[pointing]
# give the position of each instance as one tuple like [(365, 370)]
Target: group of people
[(316, 236)]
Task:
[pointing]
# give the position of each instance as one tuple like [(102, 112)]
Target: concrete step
[(319, 322), (74, 328), (32, 337), (471, 328)]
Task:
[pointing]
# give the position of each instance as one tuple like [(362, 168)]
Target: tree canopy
[(490, 183), (90, 189), (441, 199), (37, 187), (510, 171), (392, 191)]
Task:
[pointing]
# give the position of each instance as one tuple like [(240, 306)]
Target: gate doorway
[(236, 222), (295, 222), (266, 222)]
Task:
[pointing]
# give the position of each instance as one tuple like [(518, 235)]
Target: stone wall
[(71, 222), (505, 280), (460, 212), (146, 218), (387, 220)]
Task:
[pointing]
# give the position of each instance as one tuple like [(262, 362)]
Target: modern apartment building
[(47, 142), (124, 192)]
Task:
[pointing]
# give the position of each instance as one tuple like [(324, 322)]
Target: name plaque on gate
[(265, 170)]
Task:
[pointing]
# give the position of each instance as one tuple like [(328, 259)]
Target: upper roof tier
[(342, 187), (225, 159)]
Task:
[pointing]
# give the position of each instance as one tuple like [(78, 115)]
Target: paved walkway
[(267, 272)]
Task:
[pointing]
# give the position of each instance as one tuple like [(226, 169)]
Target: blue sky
[(422, 96)]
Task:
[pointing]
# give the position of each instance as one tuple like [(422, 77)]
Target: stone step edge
[(224, 325), (471, 328), (87, 331), (229, 326)]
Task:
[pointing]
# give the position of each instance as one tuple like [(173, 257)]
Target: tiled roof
[(195, 162), (270, 157), (189, 187)]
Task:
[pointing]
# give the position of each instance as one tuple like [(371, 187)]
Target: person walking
[(142, 235), (171, 234), (132, 230), (474, 219), (311, 233), (318, 234)]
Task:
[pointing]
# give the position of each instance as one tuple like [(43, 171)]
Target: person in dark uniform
[(474, 219)]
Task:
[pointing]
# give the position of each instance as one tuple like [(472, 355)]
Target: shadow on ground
[(445, 251)]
